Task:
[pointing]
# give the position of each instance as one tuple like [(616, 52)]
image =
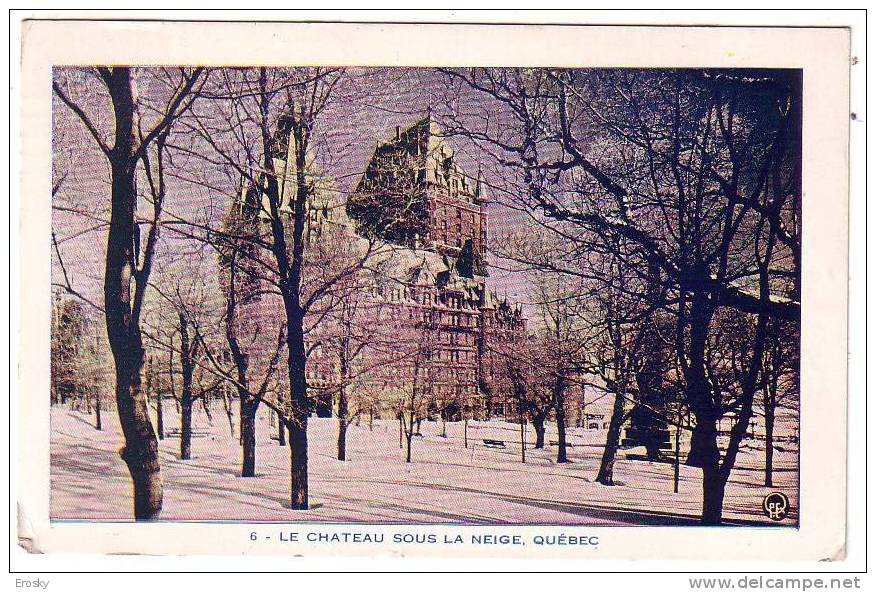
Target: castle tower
[(415, 193)]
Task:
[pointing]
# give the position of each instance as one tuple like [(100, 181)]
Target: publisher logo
[(776, 505)]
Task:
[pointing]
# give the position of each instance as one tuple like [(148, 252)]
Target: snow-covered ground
[(446, 483)]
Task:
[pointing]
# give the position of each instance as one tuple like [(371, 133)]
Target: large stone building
[(439, 330), (415, 194)]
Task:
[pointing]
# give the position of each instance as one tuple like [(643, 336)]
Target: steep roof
[(425, 145)]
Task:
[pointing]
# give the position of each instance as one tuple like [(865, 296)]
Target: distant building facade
[(414, 194)]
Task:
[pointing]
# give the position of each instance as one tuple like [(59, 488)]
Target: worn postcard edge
[(822, 53)]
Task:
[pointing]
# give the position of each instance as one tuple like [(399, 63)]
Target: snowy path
[(446, 483)]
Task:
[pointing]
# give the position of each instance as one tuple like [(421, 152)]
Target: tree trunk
[(561, 430), (229, 414), (185, 427), (538, 426), (342, 439), (300, 408), (704, 451), (612, 440), (343, 411), (248, 410), (281, 431), (290, 262), (714, 483), (241, 398), (409, 433), (522, 420), (769, 427), (298, 464), (186, 402), (140, 451), (768, 467), (160, 413), (98, 424), (290, 266), (171, 373), (716, 472)]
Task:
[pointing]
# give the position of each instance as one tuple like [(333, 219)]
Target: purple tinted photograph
[(398, 295)]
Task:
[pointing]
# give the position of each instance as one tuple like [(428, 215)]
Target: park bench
[(494, 443), (557, 443), (175, 433)]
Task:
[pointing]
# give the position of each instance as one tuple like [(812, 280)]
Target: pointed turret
[(414, 193)]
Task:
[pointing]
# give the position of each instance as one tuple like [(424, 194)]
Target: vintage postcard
[(433, 290)]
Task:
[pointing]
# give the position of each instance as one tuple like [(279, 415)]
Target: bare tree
[(417, 383), (616, 357), (563, 337), (349, 345), (266, 140), (700, 170), (188, 354), (627, 355), (780, 384), (136, 134), (241, 287), (410, 355)]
